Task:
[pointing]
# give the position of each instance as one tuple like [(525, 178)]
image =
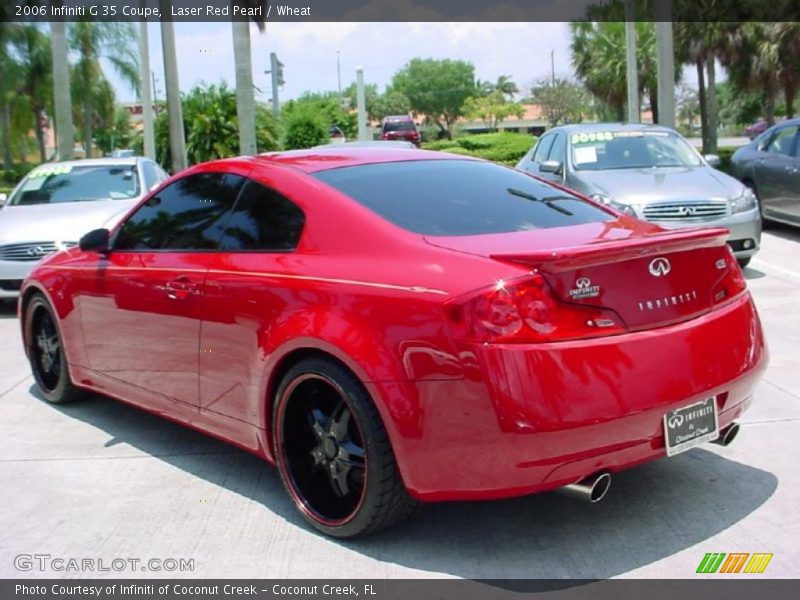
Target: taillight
[(733, 282), (525, 311)]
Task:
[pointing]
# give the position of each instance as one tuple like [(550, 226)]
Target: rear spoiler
[(605, 252)]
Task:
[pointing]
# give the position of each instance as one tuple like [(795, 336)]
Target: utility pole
[(276, 72), (632, 71), (666, 63), (245, 100), (177, 139), (147, 103), (61, 94), (553, 67), (362, 105), (155, 90)]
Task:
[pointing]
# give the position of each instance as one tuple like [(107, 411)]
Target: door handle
[(181, 287)]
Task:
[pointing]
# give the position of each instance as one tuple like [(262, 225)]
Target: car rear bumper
[(529, 418)]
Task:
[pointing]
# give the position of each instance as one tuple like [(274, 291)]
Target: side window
[(558, 150), (781, 142), (543, 149), (186, 215), (263, 220)]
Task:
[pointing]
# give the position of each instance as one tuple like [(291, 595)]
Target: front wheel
[(333, 453), (743, 262), (46, 353)]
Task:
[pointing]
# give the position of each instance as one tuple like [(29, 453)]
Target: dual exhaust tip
[(594, 488)]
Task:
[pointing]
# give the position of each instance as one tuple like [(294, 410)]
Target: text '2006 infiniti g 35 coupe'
[(391, 327)]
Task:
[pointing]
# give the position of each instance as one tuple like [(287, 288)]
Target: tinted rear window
[(399, 126), (459, 197)]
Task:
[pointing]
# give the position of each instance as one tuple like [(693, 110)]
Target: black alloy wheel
[(46, 353), (333, 452)]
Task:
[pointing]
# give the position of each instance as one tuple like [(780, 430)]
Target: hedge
[(502, 147)]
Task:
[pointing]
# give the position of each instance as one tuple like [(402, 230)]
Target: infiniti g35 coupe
[(392, 327)]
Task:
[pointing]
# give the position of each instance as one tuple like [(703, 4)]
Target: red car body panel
[(202, 337)]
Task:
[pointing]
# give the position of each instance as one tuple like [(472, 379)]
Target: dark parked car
[(756, 129), (770, 166), (400, 127)]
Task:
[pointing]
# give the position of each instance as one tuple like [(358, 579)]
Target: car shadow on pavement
[(782, 230), (651, 512), (750, 273), (8, 309)]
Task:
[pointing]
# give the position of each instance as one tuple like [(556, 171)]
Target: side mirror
[(95, 241), (3, 198), (550, 166), (713, 160)]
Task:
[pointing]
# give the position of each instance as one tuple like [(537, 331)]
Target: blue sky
[(308, 51)]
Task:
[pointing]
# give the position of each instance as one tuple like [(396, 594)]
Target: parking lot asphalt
[(100, 480)]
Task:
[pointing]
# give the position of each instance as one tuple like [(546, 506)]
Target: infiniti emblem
[(36, 251), (659, 267), (687, 210), (583, 283), (675, 421)]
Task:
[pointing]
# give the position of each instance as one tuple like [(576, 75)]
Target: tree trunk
[(711, 105), (6, 126), (62, 101), (87, 126), (789, 92), (769, 106), (38, 114), (245, 99), (701, 95), (654, 105)]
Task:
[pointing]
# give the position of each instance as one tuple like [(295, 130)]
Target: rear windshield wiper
[(548, 201)]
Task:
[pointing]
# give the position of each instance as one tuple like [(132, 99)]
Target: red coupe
[(395, 326)]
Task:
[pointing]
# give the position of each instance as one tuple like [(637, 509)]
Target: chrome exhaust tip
[(592, 489), (727, 435)]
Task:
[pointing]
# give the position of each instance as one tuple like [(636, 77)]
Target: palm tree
[(506, 86), (755, 62), (8, 69), (34, 78), (93, 41), (245, 98), (598, 57)]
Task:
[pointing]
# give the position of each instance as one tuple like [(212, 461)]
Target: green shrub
[(502, 147), (11, 177), (725, 158), (304, 129)]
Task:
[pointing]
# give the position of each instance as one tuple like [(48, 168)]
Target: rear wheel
[(46, 353), (743, 262), (333, 453)]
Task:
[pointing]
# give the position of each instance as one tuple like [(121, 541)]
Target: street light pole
[(339, 74), (362, 108)]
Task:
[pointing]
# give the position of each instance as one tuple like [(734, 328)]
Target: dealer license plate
[(690, 426)]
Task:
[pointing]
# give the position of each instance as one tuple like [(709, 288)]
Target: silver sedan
[(652, 173), (56, 203)]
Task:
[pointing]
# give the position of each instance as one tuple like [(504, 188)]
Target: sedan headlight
[(608, 201), (747, 201)]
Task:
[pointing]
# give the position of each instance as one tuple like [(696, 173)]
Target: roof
[(337, 156), (581, 127)]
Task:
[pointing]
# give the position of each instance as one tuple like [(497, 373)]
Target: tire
[(46, 353), (743, 262), (765, 223), (333, 454)]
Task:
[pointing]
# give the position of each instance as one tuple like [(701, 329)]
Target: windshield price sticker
[(48, 171), (591, 137)]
